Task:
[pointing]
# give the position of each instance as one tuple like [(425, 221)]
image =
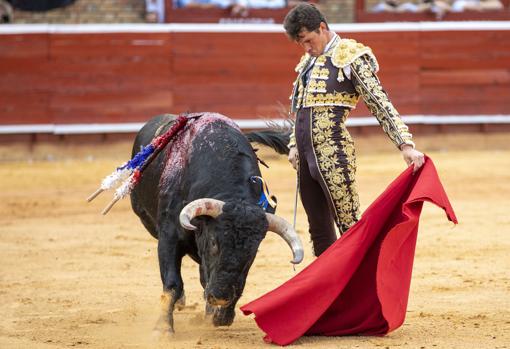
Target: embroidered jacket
[(339, 77)]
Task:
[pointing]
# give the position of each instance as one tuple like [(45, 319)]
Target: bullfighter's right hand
[(293, 157)]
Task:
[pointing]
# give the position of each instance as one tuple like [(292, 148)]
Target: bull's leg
[(170, 257)]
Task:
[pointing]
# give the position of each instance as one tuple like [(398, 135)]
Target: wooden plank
[(465, 50), (32, 65), (113, 114), (25, 74), (24, 108), (113, 66), (465, 94), (236, 69), (379, 40), (466, 108), (107, 87), (250, 46), (34, 46), (465, 77), (110, 45), (228, 109), (108, 98), (284, 80), (235, 93), (108, 106), (233, 44), (85, 83)]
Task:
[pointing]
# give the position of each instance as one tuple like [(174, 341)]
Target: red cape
[(360, 285)]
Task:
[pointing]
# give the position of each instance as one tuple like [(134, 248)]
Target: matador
[(333, 74)]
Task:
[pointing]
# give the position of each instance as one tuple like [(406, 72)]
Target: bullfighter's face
[(314, 42)]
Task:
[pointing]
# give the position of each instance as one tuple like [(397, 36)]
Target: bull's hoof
[(161, 337), (181, 302), (165, 325), (223, 316), (163, 328)]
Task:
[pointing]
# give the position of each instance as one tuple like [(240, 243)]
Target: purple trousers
[(326, 173)]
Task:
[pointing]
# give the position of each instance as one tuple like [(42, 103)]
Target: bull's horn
[(283, 228), (199, 207)]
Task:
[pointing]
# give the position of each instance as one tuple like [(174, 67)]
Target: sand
[(70, 277)]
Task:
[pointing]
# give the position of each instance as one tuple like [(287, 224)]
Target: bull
[(198, 199)]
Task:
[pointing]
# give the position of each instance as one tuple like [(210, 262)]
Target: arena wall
[(65, 78)]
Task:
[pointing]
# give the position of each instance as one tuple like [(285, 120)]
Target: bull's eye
[(214, 247)]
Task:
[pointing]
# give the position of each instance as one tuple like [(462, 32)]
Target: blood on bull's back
[(200, 160)]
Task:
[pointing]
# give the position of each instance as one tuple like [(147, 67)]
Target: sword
[(295, 209), (295, 202)]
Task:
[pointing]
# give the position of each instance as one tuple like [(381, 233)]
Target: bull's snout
[(220, 296), (218, 302)]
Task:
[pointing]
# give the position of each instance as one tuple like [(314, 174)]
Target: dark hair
[(303, 16)]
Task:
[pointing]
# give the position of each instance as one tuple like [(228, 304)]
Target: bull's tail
[(277, 140)]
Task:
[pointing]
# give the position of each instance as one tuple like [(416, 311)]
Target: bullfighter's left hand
[(412, 156)]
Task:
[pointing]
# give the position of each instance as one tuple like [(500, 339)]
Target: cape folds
[(360, 285)]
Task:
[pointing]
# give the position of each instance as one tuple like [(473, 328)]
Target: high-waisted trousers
[(326, 173)]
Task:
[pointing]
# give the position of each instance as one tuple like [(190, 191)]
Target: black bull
[(197, 198)]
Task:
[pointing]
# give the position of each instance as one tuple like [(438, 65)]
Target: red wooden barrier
[(56, 78)]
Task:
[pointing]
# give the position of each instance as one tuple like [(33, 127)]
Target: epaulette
[(302, 62), (348, 50)]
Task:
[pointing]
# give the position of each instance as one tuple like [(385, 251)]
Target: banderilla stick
[(110, 205), (95, 194)]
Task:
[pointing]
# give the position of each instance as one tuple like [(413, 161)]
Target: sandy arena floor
[(70, 277)]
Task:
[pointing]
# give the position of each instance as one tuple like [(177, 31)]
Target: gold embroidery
[(317, 93), (369, 87), (302, 63), (320, 61), (348, 50), (319, 72), (317, 86), (301, 91), (296, 103), (340, 76), (337, 163), (331, 99)]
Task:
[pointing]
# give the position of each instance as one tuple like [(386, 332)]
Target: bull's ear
[(270, 208), (255, 187)]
